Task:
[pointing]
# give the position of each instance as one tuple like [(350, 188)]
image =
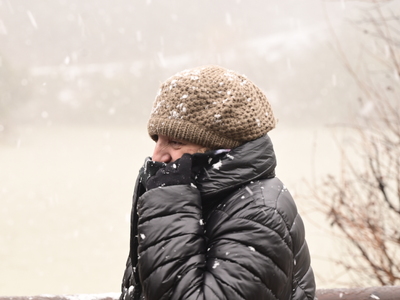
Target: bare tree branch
[(363, 200)]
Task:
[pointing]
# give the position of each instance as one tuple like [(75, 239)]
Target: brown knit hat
[(211, 106)]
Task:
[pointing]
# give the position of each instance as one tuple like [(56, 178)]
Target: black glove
[(149, 169), (174, 173)]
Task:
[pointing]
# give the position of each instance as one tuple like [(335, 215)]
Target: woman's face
[(169, 149)]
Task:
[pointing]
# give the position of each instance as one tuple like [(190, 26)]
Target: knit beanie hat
[(212, 107)]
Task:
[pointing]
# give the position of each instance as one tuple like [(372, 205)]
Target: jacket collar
[(227, 171)]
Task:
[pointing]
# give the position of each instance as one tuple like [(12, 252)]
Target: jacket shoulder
[(275, 195), (267, 197), (272, 196)]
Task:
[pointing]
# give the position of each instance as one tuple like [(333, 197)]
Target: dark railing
[(368, 293)]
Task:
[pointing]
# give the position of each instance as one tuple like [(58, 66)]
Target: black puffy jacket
[(236, 236)]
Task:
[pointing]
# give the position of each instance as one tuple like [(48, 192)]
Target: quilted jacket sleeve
[(180, 258)]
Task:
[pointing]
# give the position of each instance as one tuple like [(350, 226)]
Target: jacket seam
[(243, 267), (279, 213), (212, 290), (301, 248), (164, 240), (171, 261), (288, 226), (265, 226), (262, 255), (231, 287), (301, 288), (295, 278)]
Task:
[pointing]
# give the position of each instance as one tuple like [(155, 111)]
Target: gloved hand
[(149, 169), (174, 173)]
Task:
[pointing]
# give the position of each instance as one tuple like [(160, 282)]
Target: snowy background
[(77, 79)]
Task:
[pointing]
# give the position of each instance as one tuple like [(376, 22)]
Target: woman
[(210, 220)]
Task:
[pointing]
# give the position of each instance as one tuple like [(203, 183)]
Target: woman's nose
[(161, 154)]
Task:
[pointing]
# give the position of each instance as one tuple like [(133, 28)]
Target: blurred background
[(77, 79)]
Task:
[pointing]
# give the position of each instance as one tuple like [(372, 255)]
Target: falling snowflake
[(217, 165), (173, 84), (216, 264), (174, 114), (181, 107), (158, 105), (130, 290), (249, 190)]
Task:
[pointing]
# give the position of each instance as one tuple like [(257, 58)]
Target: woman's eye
[(176, 143)]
